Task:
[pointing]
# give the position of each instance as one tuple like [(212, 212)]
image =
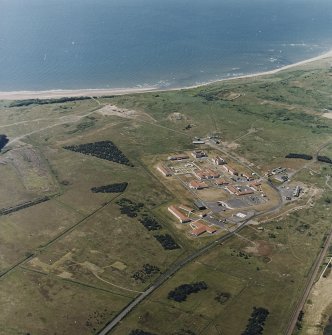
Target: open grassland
[(69, 264), (257, 268), (34, 303)]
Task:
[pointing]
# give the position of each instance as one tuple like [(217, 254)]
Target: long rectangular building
[(180, 216), (178, 157), (200, 228), (164, 170)]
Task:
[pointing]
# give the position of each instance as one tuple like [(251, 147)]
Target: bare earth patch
[(109, 110), (261, 248), (327, 115), (315, 318), (231, 145), (31, 168)]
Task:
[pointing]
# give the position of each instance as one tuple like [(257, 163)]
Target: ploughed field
[(68, 265)]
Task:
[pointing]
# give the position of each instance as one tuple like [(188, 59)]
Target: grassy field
[(67, 264)]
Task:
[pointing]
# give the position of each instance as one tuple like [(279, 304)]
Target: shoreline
[(62, 93)]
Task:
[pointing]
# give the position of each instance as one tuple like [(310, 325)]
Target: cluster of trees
[(147, 272), (301, 156), (256, 322), (140, 332), (28, 102), (129, 207), (133, 209), (222, 297), (111, 188), (167, 242), (3, 141), (150, 223), (104, 149), (181, 292), (324, 159), (240, 254)]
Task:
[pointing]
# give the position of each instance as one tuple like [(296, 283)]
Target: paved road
[(310, 282), (175, 268), (163, 278), (179, 265)]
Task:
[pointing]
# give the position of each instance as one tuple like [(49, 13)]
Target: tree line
[(301, 156), (324, 159), (28, 102), (111, 188)]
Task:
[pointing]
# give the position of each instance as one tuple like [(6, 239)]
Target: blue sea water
[(73, 44)]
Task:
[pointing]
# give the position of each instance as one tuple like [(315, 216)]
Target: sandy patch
[(177, 117), (119, 266), (327, 115), (65, 275), (261, 248), (231, 145), (110, 110), (315, 317)]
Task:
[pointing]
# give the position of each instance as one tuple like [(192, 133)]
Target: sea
[(78, 44)]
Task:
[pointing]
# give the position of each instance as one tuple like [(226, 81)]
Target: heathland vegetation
[(86, 256)]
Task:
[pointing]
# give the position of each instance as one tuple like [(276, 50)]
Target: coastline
[(59, 93)]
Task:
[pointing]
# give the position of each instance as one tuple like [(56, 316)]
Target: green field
[(67, 264)]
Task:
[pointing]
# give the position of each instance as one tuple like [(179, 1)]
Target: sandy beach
[(50, 94)]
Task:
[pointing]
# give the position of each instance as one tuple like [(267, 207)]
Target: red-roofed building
[(200, 228), (230, 170), (207, 174), (198, 185), (186, 208), (180, 216), (221, 182)]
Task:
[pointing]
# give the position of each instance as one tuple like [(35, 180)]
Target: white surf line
[(51, 94), (120, 287)]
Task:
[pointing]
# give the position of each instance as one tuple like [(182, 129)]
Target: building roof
[(238, 191), (255, 183), (165, 170), (199, 203), (198, 231), (221, 181), (174, 210), (206, 174), (186, 208), (200, 228), (198, 184), (218, 160)]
